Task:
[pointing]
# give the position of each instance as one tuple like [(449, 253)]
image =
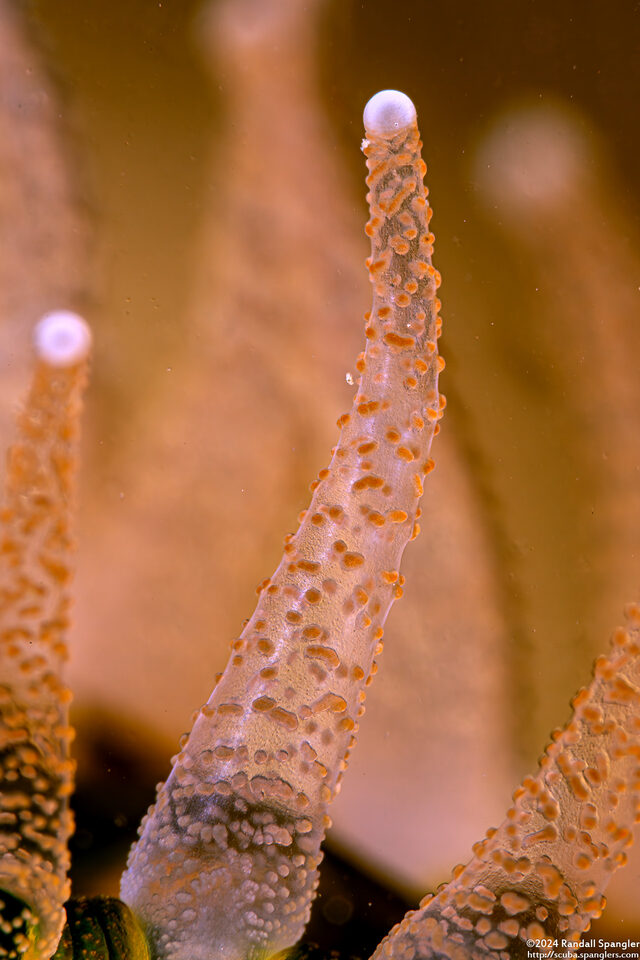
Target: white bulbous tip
[(62, 338), (388, 112)]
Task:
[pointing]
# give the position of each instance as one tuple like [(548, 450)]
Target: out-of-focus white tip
[(388, 112), (62, 338), (533, 159)]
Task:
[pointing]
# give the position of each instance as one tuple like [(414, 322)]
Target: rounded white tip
[(388, 112), (62, 338)]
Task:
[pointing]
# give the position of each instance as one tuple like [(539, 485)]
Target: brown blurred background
[(210, 171)]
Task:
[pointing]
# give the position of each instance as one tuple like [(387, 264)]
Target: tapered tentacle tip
[(388, 112), (62, 338)]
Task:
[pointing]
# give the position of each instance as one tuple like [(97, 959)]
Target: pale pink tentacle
[(229, 853), (540, 876)]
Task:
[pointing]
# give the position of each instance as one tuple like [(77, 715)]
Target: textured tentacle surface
[(541, 875), (227, 861), (36, 771)]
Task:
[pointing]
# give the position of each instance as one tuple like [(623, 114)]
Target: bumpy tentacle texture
[(36, 772), (227, 860), (541, 875)]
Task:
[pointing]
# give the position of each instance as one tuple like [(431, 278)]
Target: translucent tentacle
[(228, 856), (36, 771), (541, 875)]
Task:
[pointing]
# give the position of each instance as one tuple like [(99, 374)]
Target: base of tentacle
[(101, 928)]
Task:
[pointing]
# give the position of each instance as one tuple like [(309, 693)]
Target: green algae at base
[(101, 928)]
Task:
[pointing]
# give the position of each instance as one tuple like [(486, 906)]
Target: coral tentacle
[(540, 876), (227, 859), (36, 771)]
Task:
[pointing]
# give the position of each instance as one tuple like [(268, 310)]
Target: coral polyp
[(227, 860)]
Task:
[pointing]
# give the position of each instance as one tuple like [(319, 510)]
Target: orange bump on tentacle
[(404, 342)]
